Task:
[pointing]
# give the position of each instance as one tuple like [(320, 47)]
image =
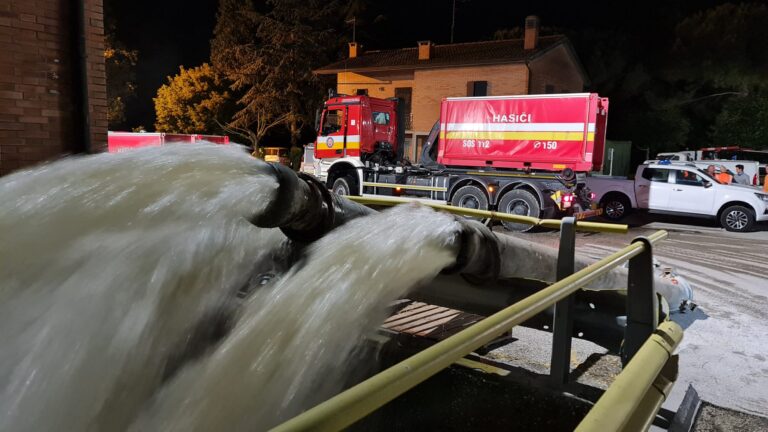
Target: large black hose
[(305, 210)]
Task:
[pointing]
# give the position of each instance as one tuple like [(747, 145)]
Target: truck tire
[(471, 197), (342, 185), (522, 203), (737, 218), (615, 206)]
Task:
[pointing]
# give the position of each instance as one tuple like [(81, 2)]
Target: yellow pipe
[(355, 403), (630, 390), (546, 223)]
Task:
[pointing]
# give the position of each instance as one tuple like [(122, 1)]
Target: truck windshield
[(331, 121)]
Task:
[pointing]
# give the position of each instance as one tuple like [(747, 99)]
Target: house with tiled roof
[(423, 75)]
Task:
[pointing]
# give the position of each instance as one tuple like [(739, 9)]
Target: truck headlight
[(763, 197)]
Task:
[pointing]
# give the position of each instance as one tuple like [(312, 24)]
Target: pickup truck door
[(652, 188), (690, 193)]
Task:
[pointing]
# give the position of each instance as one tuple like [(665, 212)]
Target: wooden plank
[(401, 319), (406, 327)]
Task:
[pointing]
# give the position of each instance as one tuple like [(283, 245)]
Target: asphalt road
[(724, 353)]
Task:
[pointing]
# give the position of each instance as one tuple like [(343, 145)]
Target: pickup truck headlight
[(763, 197)]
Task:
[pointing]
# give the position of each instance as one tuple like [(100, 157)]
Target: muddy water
[(115, 267)]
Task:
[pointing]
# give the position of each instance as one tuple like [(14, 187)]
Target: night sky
[(169, 33)]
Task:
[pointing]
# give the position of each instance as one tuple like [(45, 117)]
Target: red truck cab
[(357, 126)]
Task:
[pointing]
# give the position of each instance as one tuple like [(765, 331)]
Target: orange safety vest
[(724, 178), (765, 183)]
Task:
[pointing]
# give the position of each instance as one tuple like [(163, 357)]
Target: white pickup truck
[(681, 189)]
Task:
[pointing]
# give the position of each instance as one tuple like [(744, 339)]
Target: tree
[(724, 47), (120, 64), (743, 121), (268, 54), (196, 100)]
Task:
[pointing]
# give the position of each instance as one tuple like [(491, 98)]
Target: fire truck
[(525, 155)]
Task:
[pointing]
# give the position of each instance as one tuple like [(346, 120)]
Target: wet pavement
[(724, 353)]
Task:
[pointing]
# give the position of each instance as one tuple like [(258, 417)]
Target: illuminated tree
[(196, 100)]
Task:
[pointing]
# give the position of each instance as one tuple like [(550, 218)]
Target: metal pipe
[(546, 223), (619, 405), (355, 403), (303, 208), (82, 144)]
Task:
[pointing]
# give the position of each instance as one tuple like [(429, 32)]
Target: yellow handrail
[(546, 223), (634, 397), (357, 402)]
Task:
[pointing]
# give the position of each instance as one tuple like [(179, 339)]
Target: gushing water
[(115, 267)]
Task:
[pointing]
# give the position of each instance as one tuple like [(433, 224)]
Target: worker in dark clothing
[(741, 177)]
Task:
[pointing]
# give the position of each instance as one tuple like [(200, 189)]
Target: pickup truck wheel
[(342, 186), (737, 218), (471, 197), (519, 202), (616, 207)]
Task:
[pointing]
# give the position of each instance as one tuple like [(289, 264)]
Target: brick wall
[(37, 75), (432, 85), (558, 70), (379, 85)]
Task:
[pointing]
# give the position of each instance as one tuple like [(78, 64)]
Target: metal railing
[(485, 214), (639, 406), (635, 396)]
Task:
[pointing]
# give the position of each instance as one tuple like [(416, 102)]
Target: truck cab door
[(652, 188), (331, 136)]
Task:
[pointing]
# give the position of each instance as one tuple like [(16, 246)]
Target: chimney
[(353, 49), (425, 50), (531, 40)]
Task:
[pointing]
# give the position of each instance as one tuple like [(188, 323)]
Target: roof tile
[(462, 54)]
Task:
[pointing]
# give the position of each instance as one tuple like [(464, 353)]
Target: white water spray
[(115, 266), (289, 351), (108, 263)]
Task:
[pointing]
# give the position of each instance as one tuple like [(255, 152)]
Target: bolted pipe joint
[(303, 208), (478, 259)]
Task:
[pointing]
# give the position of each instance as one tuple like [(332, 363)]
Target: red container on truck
[(526, 155), (524, 132)]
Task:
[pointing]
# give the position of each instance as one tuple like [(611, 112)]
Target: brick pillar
[(37, 66)]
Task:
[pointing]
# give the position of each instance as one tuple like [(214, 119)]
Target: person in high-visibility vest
[(723, 177), (765, 183)]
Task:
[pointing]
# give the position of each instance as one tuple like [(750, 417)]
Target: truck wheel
[(519, 202), (737, 218), (342, 186), (615, 207), (471, 197)]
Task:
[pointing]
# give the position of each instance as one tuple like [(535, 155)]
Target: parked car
[(308, 161), (681, 189)]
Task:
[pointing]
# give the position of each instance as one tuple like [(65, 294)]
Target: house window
[(549, 88), (404, 95), (362, 92), (477, 88)]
